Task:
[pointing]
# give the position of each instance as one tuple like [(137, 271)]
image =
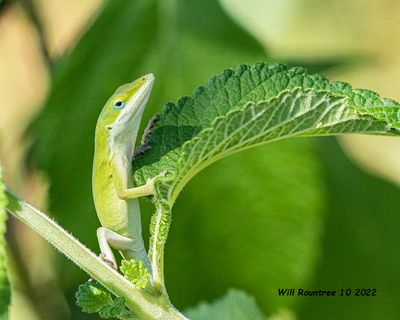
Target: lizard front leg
[(120, 171), (129, 248)]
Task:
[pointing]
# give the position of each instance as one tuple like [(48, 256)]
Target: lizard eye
[(119, 104)]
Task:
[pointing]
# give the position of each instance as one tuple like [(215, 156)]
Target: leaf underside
[(249, 106)]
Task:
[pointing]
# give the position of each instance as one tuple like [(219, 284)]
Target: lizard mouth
[(137, 102)]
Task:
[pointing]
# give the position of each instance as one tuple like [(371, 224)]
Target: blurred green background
[(310, 213)]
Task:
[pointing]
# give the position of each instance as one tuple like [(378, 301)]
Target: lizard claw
[(151, 180), (112, 264)]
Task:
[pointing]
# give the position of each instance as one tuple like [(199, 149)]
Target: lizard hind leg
[(106, 253), (128, 247)]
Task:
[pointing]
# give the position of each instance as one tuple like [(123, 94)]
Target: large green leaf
[(4, 283), (248, 106), (242, 108)]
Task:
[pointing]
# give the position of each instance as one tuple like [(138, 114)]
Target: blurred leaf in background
[(3, 4), (235, 305), (360, 246), (299, 28), (251, 221), (311, 31)]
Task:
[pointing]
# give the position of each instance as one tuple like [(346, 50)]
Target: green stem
[(144, 305), (159, 232)]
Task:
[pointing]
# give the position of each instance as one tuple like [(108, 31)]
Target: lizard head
[(120, 118)]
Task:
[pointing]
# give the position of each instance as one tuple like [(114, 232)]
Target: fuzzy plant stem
[(144, 305)]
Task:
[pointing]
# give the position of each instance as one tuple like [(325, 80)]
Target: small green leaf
[(136, 272), (114, 309), (235, 305), (92, 297), (4, 283)]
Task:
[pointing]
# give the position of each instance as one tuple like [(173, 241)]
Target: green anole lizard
[(114, 193)]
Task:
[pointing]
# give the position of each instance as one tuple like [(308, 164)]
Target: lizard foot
[(112, 264), (150, 181)]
